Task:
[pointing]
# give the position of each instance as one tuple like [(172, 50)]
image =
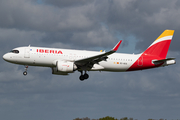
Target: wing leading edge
[(90, 61)]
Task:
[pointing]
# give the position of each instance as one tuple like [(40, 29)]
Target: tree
[(125, 118), (82, 118), (77, 119), (86, 118), (108, 118)]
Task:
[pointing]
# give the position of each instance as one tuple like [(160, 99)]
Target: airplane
[(66, 61)]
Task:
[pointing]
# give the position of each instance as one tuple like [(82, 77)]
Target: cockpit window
[(14, 51)]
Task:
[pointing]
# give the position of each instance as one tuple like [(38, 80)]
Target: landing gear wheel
[(24, 73), (81, 77), (86, 76)]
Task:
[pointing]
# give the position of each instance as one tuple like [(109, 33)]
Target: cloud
[(67, 3), (14, 38), (90, 25)]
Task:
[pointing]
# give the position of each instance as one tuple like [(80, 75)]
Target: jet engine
[(63, 68)]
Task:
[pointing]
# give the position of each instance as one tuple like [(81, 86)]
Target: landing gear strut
[(25, 72), (83, 77)]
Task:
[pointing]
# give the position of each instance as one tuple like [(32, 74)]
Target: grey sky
[(90, 25)]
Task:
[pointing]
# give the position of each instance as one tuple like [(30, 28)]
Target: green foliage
[(82, 118), (107, 118), (112, 118), (77, 119), (124, 118)]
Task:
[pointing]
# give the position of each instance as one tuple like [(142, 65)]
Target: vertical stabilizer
[(155, 54), (161, 45)]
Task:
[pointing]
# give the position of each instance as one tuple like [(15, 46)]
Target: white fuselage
[(47, 57)]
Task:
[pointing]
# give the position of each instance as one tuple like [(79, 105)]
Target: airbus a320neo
[(65, 61)]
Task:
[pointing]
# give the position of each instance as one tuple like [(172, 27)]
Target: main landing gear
[(83, 77), (25, 72)]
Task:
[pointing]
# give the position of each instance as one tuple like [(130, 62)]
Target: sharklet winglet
[(117, 46)]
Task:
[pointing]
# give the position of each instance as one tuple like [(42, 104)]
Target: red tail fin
[(155, 54), (161, 45)]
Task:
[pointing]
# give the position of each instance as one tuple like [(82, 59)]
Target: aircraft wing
[(90, 61)]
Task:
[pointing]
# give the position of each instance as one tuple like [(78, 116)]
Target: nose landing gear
[(83, 77), (25, 72)]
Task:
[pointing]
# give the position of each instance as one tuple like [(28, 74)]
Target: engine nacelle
[(63, 68), (54, 71)]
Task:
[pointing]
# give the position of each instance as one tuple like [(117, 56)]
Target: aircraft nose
[(5, 57)]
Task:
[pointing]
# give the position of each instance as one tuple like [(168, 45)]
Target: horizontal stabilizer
[(167, 61)]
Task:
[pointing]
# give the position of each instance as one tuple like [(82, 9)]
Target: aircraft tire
[(24, 73), (81, 77), (86, 76)]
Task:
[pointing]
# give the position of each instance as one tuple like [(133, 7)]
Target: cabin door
[(140, 61), (27, 53)]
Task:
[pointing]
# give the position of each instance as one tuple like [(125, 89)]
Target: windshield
[(14, 51)]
